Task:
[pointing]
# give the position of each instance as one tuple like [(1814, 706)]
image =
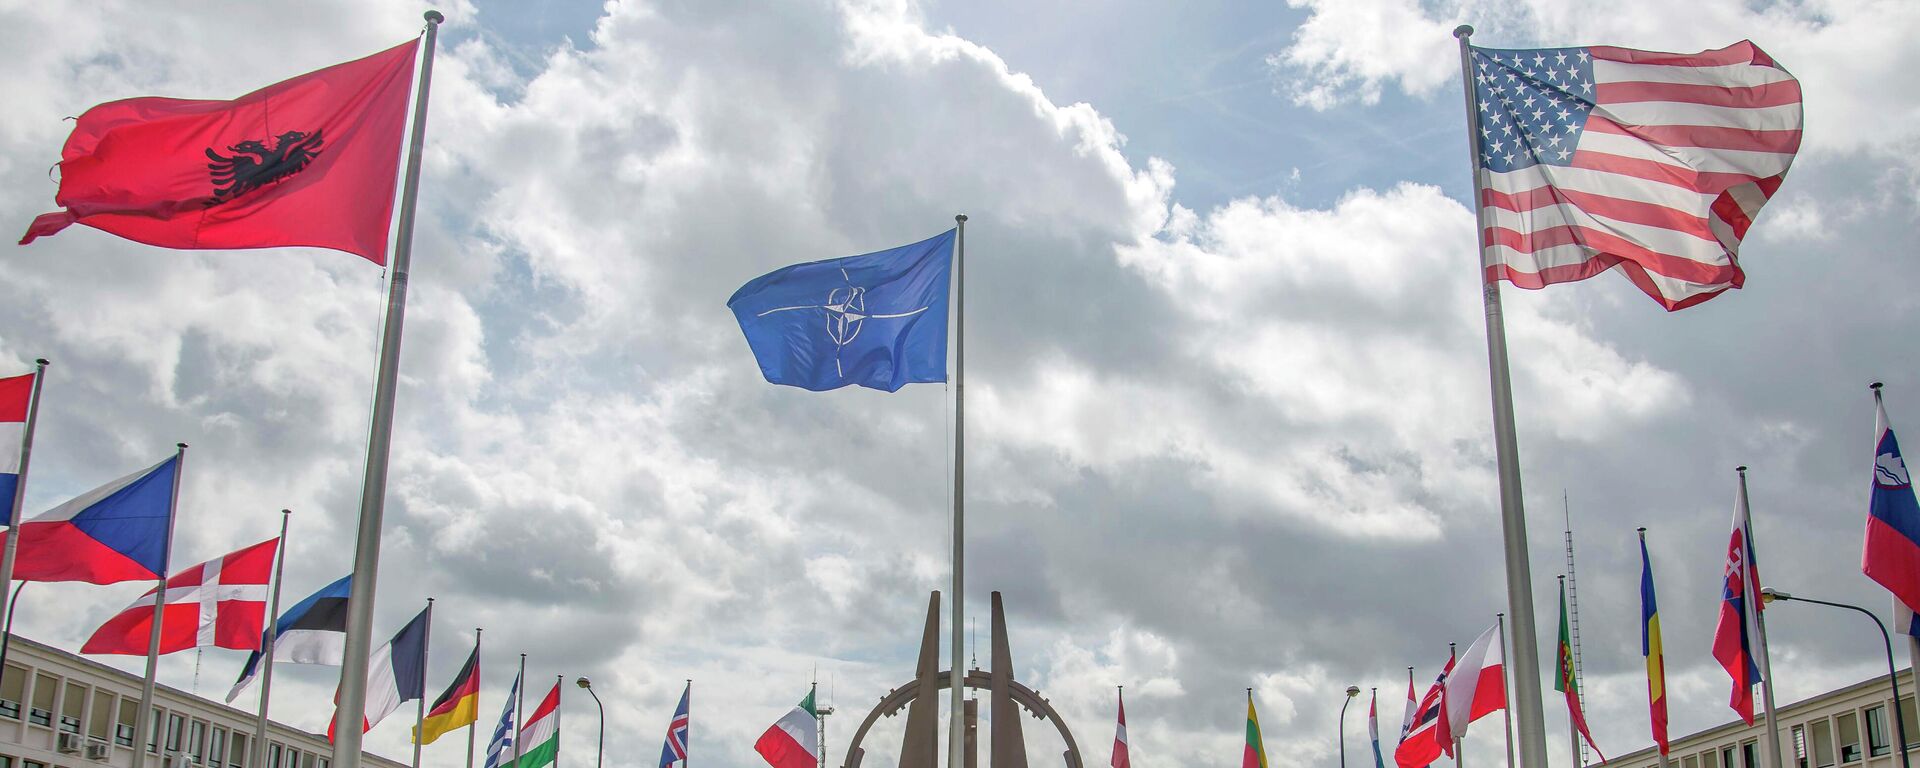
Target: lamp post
[(1769, 595), (601, 749), (1353, 691)]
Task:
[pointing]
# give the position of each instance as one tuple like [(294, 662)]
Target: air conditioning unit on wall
[(97, 750), (67, 743)]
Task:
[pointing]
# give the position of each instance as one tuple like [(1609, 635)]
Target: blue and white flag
[(500, 747), (396, 673), (675, 749), (878, 320), (313, 631)]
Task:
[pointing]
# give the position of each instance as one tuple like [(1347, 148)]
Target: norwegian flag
[(1598, 157), (221, 603), (1420, 745)]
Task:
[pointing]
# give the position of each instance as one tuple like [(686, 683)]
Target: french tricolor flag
[(1891, 556), (117, 532), (16, 402)]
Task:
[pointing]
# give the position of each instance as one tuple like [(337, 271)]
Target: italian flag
[(794, 741), (540, 736)]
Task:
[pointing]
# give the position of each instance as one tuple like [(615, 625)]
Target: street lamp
[(600, 750), (1769, 595), (1353, 691)]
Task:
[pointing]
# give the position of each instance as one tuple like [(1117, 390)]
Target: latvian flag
[(1656, 164), (16, 400), (794, 741), (220, 603)]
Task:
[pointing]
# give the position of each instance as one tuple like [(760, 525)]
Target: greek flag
[(500, 747)]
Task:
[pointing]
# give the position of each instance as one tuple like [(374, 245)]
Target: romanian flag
[(458, 706), (1256, 756), (1650, 648), (1568, 683)]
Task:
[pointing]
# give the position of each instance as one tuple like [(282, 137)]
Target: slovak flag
[(16, 399), (117, 532), (1479, 688), (1891, 556), (221, 603), (1733, 636)]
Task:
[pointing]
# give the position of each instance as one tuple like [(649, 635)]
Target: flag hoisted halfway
[(1569, 684), (1650, 647), (1598, 157), (313, 631), (878, 320), (794, 740), (310, 161), (540, 737), (220, 603), (117, 532), (457, 706), (1255, 755), (500, 746)]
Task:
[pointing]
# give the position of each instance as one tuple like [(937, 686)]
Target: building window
[(123, 726), (217, 747), (72, 706), (1800, 746), (1690, 761), (174, 724), (1729, 758), (100, 719), (273, 756), (1711, 759), (196, 737), (1822, 743), (238, 755), (45, 687), (153, 730), (292, 759), (324, 763), (32, 764), (13, 690), (1877, 742), (1846, 728), (1750, 752), (6, 762), (1907, 719)]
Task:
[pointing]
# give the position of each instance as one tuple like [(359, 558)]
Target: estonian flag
[(314, 631)]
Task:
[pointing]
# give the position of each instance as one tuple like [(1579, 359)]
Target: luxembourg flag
[(1373, 727), (117, 532), (1891, 556), (16, 403)]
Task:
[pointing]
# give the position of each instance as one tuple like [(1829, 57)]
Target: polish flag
[(220, 603), (1477, 688)]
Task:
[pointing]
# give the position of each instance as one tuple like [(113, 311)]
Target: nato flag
[(878, 320)]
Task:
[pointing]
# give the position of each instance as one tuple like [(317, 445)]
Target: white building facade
[(61, 710), (1846, 728)]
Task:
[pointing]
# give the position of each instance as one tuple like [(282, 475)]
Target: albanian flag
[(310, 161)]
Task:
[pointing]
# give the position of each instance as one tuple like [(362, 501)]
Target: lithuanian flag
[(1256, 756), (458, 706)]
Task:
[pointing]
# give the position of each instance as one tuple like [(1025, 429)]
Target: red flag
[(1120, 738), (221, 602), (1420, 746), (310, 161)]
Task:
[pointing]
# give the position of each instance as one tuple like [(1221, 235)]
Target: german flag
[(458, 706)]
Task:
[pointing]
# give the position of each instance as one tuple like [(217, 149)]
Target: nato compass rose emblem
[(846, 313), (1889, 471)]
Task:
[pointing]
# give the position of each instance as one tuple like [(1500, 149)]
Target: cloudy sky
[(1228, 416)]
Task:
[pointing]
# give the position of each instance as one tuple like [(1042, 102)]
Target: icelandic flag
[(1734, 634), (117, 532), (878, 320), (313, 631), (16, 399), (396, 673), (500, 747), (675, 750), (1891, 556)]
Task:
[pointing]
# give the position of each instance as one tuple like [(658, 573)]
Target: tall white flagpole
[(1902, 613), (144, 720), (259, 748), (1513, 514), (373, 491), (420, 704), (1752, 587), (20, 492), (956, 703), (519, 707), (476, 698), (1506, 713)]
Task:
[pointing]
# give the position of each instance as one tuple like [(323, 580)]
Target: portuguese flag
[(1256, 755), (1566, 683), (459, 705), (794, 741)]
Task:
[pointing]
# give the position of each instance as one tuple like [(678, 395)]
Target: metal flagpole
[(19, 497), (420, 704), (1506, 713), (476, 696), (373, 491), (1513, 515), (266, 646), (685, 762), (956, 729), (519, 707), (144, 720), (557, 680), (1759, 625), (1573, 729)]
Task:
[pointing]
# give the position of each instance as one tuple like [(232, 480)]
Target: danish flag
[(221, 603)]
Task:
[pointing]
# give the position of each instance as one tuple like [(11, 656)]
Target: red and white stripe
[(220, 603), (1477, 688), (1120, 758), (1674, 163)]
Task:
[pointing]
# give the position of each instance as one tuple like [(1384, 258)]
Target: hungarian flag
[(1567, 683), (540, 737), (1256, 753), (221, 603), (310, 161), (794, 741), (459, 705), (1120, 757)]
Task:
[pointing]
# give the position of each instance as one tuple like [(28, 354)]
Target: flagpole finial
[(181, 446), (960, 217), (42, 362), (1874, 386), (434, 17), (1742, 469), (1642, 530), (1463, 31)]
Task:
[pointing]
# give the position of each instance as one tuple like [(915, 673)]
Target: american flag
[(675, 750), (1655, 163)]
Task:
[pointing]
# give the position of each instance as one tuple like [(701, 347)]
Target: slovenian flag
[(16, 400), (1891, 556), (117, 532), (313, 631)]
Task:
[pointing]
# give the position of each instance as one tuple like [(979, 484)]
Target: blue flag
[(878, 320), (675, 750)]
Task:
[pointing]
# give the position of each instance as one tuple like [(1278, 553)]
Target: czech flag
[(1733, 636), (16, 400), (117, 532), (1891, 556)]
